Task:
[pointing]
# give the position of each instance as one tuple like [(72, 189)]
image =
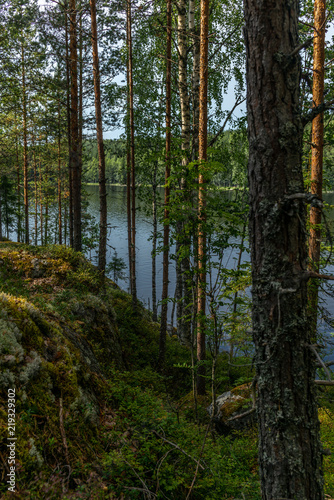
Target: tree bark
[(0, 213), (154, 243), (289, 442), (18, 177), (68, 109), (41, 197), (317, 156), (36, 190), (202, 157), (74, 124), (165, 265), (60, 235), (183, 267), (100, 145), (194, 32), (25, 147), (132, 156)]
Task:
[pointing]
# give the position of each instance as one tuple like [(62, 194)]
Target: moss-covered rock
[(64, 335)]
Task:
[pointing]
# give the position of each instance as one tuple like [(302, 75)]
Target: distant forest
[(229, 157)]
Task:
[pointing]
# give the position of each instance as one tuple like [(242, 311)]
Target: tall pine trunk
[(289, 442), (202, 158), (165, 266), (74, 125), (25, 147), (317, 155), (68, 109), (60, 235), (100, 145), (132, 156), (154, 243), (183, 247)]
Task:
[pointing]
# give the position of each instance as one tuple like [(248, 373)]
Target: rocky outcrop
[(234, 410)]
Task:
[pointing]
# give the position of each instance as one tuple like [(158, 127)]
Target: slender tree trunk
[(165, 265), (183, 268), (100, 145), (194, 32), (25, 147), (128, 159), (202, 157), (290, 457), (317, 156), (41, 197), (0, 213), (75, 147), (80, 107), (18, 176), (128, 202), (132, 156), (36, 191), (154, 244), (46, 195), (60, 235), (68, 109)]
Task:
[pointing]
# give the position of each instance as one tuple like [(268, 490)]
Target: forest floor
[(94, 417)]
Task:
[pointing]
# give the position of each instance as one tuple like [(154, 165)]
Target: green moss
[(77, 349)]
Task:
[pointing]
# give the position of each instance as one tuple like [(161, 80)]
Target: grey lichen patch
[(33, 452), (11, 351), (32, 367), (87, 406)]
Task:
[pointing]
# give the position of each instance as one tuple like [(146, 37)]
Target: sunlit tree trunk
[(154, 243), (25, 147), (100, 145), (202, 157), (165, 266), (290, 459), (132, 156), (18, 177), (46, 194), (68, 109), (41, 198), (75, 156), (317, 155), (0, 213), (60, 235), (194, 32), (183, 246), (36, 190)]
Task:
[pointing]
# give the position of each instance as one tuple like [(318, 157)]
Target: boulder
[(234, 410)]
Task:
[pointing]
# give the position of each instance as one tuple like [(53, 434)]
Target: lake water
[(117, 239), (117, 243)]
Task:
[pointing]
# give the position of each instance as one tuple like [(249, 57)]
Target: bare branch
[(302, 46), (177, 447), (321, 362), (248, 412), (221, 130), (316, 111), (324, 382)]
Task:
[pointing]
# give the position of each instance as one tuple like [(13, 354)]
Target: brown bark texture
[(165, 266), (60, 235), (317, 154), (202, 157), (194, 33), (25, 148), (289, 442), (74, 124), (132, 155), (68, 109), (100, 145), (184, 298)]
